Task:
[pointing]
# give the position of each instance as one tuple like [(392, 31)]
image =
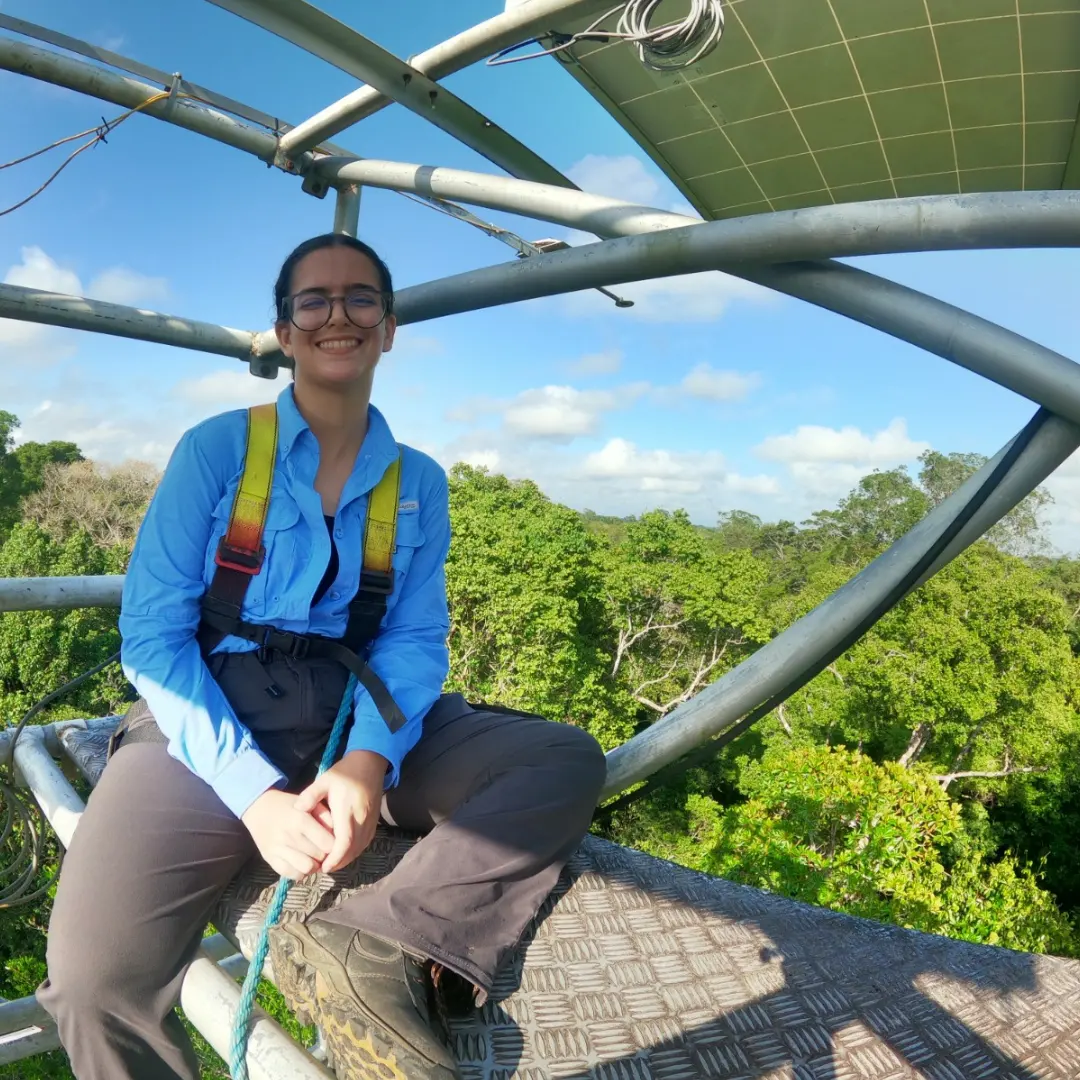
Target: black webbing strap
[(300, 646)]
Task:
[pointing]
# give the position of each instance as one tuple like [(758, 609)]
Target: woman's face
[(342, 287)]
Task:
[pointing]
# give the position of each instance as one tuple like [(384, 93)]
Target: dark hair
[(317, 243)]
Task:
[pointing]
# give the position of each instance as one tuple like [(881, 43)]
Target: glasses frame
[(290, 308)]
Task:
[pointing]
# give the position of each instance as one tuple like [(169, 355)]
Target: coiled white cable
[(668, 47)]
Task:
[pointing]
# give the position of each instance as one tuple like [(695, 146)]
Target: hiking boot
[(369, 998)]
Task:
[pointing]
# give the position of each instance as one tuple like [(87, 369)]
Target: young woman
[(219, 757)]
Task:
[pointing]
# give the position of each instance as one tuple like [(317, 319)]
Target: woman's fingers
[(341, 809), (314, 793)]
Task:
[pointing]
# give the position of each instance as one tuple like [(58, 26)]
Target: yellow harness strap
[(381, 526), (241, 547)]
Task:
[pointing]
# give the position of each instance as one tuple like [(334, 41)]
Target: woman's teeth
[(338, 344)]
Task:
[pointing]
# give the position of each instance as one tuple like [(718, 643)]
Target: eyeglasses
[(364, 308)]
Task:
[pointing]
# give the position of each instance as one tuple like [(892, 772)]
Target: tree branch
[(992, 774)]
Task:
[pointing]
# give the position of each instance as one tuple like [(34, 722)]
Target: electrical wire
[(669, 47), (99, 135), (24, 825)]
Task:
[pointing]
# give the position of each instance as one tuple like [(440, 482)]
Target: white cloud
[(826, 463), (625, 177), (39, 271), (708, 384), (481, 458), (601, 363), (562, 412), (812, 443), (669, 473), (227, 388), (119, 285)]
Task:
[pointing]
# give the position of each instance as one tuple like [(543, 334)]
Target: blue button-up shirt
[(173, 563)]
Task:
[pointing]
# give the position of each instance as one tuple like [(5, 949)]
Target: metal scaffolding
[(789, 251)]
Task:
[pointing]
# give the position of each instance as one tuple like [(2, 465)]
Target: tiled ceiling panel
[(807, 102)]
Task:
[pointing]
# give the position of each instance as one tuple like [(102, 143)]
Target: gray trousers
[(504, 801)]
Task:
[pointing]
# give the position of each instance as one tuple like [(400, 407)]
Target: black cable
[(710, 749), (21, 813)]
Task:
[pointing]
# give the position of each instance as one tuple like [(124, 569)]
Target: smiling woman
[(287, 547)]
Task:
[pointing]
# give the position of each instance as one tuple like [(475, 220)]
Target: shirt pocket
[(408, 539), (283, 548)]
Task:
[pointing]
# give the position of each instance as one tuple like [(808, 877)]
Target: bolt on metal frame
[(785, 251)]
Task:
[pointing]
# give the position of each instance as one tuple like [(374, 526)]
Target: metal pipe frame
[(340, 45), (478, 42), (37, 594), (673, 244), (208, 996), (144, 71), (52, 67), (347, 210)]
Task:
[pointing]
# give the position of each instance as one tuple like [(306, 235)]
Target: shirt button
[(334, 596), (339, 533)]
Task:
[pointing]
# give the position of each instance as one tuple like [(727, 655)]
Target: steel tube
[(209, 995), (347, 210), (51, 67), (478, 42), (802, 645), (119, 320), (34, 1039), (57, 798), (324, 36), (144, 71), (209, 998), (942, 223), (43, 593)]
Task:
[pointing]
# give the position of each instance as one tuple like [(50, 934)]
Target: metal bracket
[(313, 185)]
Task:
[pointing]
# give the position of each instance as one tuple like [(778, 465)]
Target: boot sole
[(316, 985)]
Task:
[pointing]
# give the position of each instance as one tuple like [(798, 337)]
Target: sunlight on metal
[(347, 209), (119, 320), (340, 45), (478, 42), (36, 594), (797, 648), (144, 71), (51, 67), (208, 996)]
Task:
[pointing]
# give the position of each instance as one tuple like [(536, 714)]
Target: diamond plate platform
[(637, 969)]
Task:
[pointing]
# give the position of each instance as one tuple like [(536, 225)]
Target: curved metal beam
[(330, 40), (51, 67), (802, 645), (520, 23)]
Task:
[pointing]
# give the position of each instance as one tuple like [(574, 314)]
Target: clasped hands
[(327, 825)]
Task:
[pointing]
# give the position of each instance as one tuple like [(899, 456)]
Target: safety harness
[(240, 557)]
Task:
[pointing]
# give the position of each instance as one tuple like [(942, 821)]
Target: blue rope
[(238, 1055)]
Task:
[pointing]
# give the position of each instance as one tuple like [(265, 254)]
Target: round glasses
[(364, 308)]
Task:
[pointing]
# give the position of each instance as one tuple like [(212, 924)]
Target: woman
[(219, 761)]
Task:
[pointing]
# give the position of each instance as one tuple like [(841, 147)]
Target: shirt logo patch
[(408, 505)]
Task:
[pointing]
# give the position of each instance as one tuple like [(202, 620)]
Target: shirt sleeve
[(158, 620), (410, 654)]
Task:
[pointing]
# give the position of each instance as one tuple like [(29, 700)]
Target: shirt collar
[(379, 447)]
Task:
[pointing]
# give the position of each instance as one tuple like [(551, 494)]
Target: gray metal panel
[(637, 969)]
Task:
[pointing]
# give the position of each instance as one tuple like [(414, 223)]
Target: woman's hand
[(347, 798), (292, 841)]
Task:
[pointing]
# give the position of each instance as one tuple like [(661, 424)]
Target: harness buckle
[(375, 581), (234, 558), (295, 646)]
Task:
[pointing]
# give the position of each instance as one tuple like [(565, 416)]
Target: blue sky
[(708, 394)]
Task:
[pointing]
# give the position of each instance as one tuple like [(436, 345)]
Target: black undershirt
[(332, 566)]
